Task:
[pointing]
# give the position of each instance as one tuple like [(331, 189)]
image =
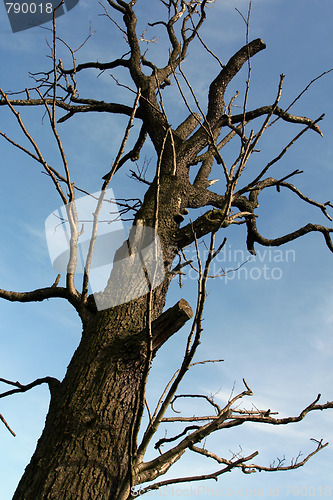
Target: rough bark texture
[(84, 449), (89, 435)]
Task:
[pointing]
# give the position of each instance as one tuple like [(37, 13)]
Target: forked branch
[(227, 417), (247, 468)]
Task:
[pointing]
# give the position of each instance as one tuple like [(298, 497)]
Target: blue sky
[(271, 322)]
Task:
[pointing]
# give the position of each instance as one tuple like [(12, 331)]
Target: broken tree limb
[(169, 322)]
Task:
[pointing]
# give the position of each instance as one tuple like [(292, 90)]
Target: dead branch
[(278, 183), (134, 154), (87, 105), (255, 237), (297, 98), (52, 382), (200, 396), (6, 425), (169, 322), (203, 225), (159, 443), (218, 87), (251, 468), (227, 417), (97, 65), (272, 110), (191, 347), (213, 475), (46, 293), (107, 180), (36, 295), (38, 153), (264, 418), (189, 419)]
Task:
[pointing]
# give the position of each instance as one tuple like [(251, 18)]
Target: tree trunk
[(85, 447), (84, 451)]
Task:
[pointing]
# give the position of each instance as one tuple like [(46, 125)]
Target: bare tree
[(91, 446)]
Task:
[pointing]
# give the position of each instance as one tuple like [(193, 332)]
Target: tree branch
[(88, 105), (46, 293), (169, 322), (36, 295), (33, 143), (251, 468), (213, 475), (193, 342), (218, 86), (134, 154), (52, 382), (200, 139), (275, 110), (6, 425), (97, 65), (254, 236), (209, 222), (226, 418), (278, 183)]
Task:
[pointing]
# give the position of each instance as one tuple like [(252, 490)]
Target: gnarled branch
[(254, 236), (52, 382), (218, 86)]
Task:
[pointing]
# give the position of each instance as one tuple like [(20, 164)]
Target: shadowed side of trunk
[(84, 449)]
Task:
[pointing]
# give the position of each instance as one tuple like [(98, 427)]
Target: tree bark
[(89, 435), (85, 447)]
